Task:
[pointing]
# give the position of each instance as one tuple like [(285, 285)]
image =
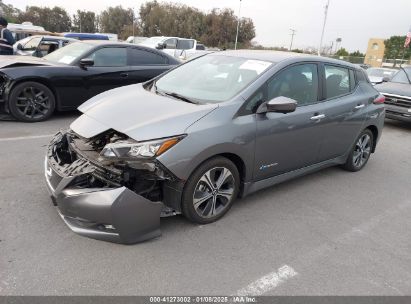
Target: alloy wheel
[(362, 151), (33, 103), (213, 192)]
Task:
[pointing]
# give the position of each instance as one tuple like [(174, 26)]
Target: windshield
[(401, 77), (24, 41), (69, 53), (212, 78), (375, 72)]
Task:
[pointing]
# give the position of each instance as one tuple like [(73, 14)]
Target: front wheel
[(31, 102), (361, 152), (211, 190)]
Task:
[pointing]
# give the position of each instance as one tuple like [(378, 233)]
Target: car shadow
[(398, 124)]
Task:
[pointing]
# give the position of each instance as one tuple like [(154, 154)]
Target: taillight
[(379, 99)]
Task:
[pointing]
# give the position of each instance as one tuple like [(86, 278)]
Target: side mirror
[(85, 62), (279, 104), (385, 79), (161, 46), (19, 47)]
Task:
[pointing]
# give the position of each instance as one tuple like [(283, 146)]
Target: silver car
[(196, 138)]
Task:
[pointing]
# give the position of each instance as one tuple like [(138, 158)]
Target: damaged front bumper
[(108, 212)]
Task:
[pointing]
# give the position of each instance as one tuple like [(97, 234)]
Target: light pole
[(132, 24), (325, 20), (292, 38), (238, 26)]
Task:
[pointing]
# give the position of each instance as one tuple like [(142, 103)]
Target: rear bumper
[(114, 214)]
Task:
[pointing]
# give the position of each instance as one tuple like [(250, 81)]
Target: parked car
[(197, 137), (174, 46), (40, 46), (397, 92), (32, 88), (86, 36), (379, 75)]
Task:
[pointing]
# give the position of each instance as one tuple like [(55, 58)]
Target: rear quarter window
[(142, 57), (362, 76)]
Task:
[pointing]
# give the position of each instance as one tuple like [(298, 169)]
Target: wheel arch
[(237, 160), (375, 133)]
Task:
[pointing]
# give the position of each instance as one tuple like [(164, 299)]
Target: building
[(375, 52)]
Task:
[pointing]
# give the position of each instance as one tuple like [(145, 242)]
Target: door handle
[(124, 75), (318, 117), (360, 106)]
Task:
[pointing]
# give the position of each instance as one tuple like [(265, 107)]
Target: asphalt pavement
[(328, 233)]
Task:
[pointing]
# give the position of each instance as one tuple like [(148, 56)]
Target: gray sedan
[(196, 138)]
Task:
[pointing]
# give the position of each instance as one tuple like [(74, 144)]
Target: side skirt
[(251, 187)]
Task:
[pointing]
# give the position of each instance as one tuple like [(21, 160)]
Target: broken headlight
[(129, 149)]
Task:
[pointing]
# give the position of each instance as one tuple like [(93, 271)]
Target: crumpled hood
[(138, 113), (395, 88), (15, 61)]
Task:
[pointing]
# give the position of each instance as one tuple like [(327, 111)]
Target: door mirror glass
[(85, 62), (161, 46), (19, 47), (385, 79), (279, 104)]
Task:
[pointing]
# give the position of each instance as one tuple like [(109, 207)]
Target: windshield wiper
[(406, 74), (181, 97)]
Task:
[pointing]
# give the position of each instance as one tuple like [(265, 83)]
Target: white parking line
[(268, 282), (26, 137)]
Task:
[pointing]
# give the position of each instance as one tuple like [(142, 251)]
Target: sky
[(354, 21)]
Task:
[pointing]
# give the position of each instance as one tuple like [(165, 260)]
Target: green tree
[(85, 22), (217, 28), (54, 19), (357, 54), (9, 12), (342, 52), (394, 48), (115, 19)]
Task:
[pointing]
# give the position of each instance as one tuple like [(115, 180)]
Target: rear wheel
[(361, 152), (211, 191), (31, 102)]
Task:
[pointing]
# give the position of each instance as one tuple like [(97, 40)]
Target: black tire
[(360, 153), (31, 102), (197, 186)]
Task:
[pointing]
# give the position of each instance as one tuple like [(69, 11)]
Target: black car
[(31, 89), (397, 92)]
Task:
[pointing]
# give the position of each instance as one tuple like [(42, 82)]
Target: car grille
[(398, 101)]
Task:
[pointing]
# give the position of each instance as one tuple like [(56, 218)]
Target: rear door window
[(337, 81)]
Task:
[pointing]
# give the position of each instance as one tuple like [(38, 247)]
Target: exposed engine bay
[(146, 177)]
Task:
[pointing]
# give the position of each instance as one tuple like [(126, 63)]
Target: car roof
[(97, 43), (278, 56)]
